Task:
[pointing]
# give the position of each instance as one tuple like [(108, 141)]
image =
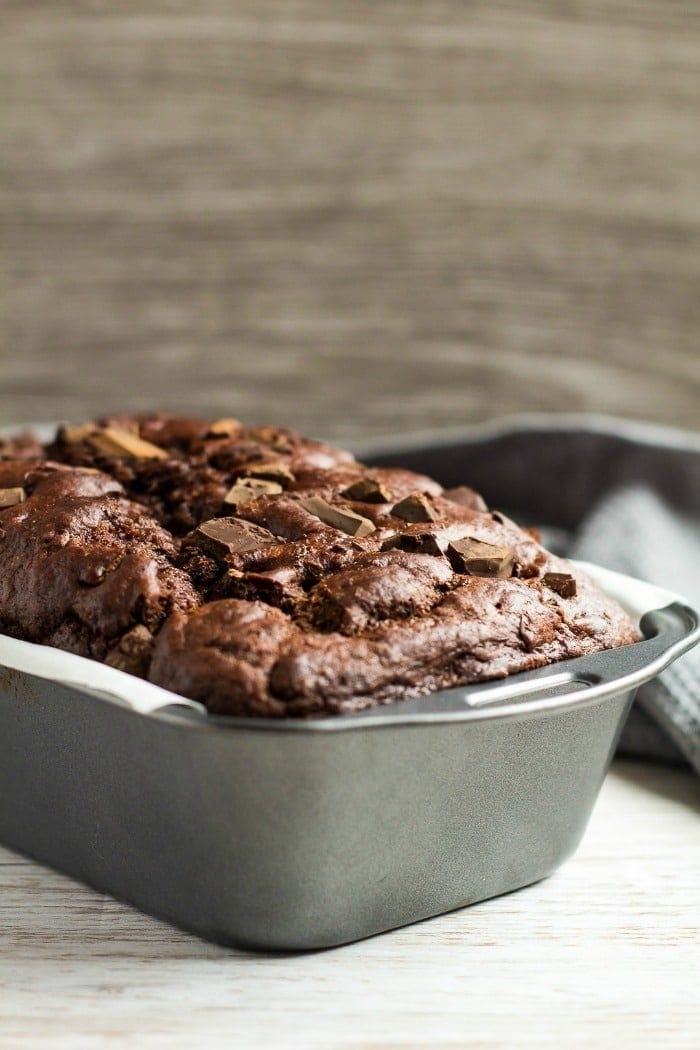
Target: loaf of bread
[(266, 574)]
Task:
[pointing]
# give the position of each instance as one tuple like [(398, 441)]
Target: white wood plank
[(605, 953)]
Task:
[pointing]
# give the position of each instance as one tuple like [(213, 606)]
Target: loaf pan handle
[(668, 632)]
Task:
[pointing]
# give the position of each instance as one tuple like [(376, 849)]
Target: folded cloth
[(624, 495), (636, 532)]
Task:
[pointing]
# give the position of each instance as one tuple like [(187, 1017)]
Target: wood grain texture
[(603, 954), (351, 216)]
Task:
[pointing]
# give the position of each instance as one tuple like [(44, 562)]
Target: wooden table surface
[(603, 954)]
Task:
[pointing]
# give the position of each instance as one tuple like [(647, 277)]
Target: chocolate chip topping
[(73, 435), (477, 558), (280, 586), (339, 517), (367, 490), (414, 508), (228, 427), (10, 497), (246, 490), (116, 441), (417, 542), (272, 471), (224, 536), (562, 582), (433, 540)]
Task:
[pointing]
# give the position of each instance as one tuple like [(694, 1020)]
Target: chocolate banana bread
[(266, 574)]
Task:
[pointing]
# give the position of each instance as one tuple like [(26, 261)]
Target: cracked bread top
[(266, 574)]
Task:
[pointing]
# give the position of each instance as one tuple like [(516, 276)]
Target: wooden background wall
[(352, 216)]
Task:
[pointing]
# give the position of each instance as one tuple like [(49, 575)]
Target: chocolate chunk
[(339, 517), (225, 427), (466, 497), (278, 586), (115, 441), (367, 490), (426, 541), (247, 489), (223, 536), (420, 542), (272, 471), (562, 582), (132, 653), (414, 508), (9, 497), (73, 435), (477, 558)]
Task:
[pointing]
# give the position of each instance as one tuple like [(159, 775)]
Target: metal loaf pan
[(306, 834)]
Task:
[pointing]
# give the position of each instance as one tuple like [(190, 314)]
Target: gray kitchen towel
[(624, 495), (634, 531)]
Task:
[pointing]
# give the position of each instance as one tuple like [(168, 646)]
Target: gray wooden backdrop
[(354, 217)]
